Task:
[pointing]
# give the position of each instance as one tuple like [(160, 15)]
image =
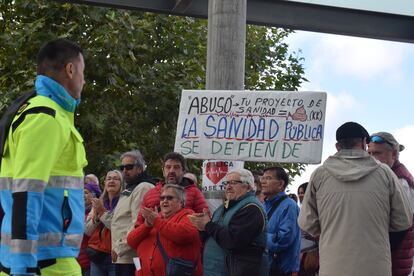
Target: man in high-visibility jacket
[(41, 174)]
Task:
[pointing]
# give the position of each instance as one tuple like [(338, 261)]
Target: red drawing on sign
[(215, 171)]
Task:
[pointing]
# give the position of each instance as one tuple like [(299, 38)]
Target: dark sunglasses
[(379, 140), (168, 198), (126, 167)]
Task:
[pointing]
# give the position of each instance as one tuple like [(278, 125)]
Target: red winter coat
[(402, 254), (178, 236), (194, 200), (83, 260)]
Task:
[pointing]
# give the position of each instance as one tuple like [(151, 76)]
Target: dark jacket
[(236, 239)]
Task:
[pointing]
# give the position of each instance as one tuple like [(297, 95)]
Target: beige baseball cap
[(385, 137)]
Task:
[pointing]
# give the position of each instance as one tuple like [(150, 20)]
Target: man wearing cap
[(352, 203), (385, 148)]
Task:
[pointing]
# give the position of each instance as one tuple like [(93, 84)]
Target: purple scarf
[(114, 203)]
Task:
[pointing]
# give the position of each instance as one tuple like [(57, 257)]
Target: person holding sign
[(352, 202)]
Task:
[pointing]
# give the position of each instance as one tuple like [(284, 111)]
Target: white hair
[(246, 177)]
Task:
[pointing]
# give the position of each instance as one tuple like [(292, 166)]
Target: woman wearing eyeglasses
[(98, 228), (177, 236)]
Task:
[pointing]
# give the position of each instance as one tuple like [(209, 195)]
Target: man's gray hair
[(136, 154), (246, 177), (178, 190)]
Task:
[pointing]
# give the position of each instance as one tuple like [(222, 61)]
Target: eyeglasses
[(231, 182), (379, 140), (127, 167), (112, 178), (168, 198)]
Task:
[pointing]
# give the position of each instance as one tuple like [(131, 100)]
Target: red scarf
[(401, 171)]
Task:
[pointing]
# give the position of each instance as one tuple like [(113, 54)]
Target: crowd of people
[(354, 216), (353, 203)]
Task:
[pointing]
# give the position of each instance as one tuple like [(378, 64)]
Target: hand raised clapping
[(149, 215), (98, 208), (199, 220)]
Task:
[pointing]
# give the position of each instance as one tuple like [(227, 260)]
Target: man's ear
[(394, 154), (338, 148), (282, 184), (140, 169), (364, 144), (69, 70)]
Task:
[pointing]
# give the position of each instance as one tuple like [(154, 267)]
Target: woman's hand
[(149, 215), (98, 208), (199, 220)]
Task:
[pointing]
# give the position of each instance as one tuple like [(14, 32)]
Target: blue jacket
[(41, 182), (283, 234)]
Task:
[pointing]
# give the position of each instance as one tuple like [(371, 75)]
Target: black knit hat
[(351, 130)]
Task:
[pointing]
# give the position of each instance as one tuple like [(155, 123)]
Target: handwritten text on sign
[(269, 126)]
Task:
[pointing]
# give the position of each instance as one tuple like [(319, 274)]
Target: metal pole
[(226, 44), (225, 56)]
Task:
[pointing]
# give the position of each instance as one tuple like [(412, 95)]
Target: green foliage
[(136, 66)]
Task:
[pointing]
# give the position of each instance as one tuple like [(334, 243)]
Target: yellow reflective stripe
[(28, 185), (66, 182), (5, 183), (23, 246)]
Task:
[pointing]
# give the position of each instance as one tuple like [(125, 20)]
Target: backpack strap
[(8, 117), (34, 110), (275, 205), (15, 108)]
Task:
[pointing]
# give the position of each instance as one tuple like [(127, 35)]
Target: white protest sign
[(215, 170), (213, 173), (268, 126)]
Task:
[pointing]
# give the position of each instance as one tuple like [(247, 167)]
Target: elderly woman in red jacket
[(178, 237)]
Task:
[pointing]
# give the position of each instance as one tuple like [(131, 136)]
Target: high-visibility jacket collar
[(48, 87)]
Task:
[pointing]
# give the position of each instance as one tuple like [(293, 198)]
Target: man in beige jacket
[(353, 202), (126, 211)]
